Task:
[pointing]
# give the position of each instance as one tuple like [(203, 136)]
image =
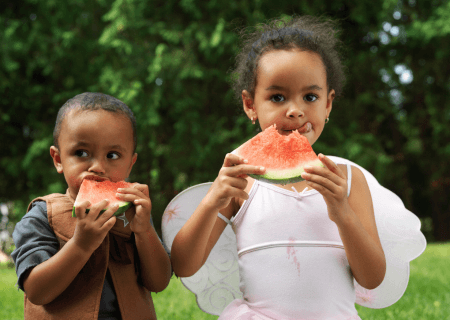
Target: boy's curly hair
[(93, 101), (306, 33)]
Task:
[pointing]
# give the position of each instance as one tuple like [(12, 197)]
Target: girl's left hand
[(332, 184), (139, 196)]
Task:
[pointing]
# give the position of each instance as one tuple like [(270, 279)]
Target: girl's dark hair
[(93, 101), (306, 33)]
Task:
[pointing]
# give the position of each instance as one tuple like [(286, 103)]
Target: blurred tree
[(168, 60)]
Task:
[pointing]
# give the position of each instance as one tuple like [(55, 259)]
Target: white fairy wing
[(216, 284), (401, 239)]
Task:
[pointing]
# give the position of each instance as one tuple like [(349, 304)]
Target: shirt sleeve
[(34, 239)]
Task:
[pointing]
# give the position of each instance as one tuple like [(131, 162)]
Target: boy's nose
[(97, 166)]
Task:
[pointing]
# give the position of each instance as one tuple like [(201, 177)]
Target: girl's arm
[(195, 240), (49, 279), (354, 218), (359, 235)]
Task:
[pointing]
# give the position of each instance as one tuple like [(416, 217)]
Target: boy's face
[(96, 144)]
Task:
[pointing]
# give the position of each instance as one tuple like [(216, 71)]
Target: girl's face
[(95, 145), (291, 92)]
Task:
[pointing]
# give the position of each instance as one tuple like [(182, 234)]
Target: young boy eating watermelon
[(92, 265)]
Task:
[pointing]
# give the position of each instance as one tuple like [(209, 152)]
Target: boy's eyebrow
[(311, 87), (85, 144)]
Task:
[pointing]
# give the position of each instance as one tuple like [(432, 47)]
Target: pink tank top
[(292, 262)]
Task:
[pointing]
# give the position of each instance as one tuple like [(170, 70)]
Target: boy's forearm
[(365, 257), (49, 279), (155, 262)]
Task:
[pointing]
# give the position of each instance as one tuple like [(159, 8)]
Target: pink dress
[(292, 262)]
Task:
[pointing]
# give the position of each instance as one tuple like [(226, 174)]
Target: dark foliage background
[(168, 61)]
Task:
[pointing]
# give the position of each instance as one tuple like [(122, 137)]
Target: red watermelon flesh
[(284, 157), (96, 191)]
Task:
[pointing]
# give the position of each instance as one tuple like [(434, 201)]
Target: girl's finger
[(232, 159), (245, 170), (333, 167)]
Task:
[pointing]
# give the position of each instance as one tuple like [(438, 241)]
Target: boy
[(92, 265)]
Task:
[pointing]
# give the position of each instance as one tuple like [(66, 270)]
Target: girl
[(298, 252)]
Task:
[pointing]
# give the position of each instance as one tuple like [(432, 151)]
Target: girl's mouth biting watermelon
[(307, 127)]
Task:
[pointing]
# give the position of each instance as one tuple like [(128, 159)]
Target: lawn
[(427, 296)]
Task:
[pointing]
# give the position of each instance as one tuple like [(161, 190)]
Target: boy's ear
[(247, 103), (56, 156), (133, 160)]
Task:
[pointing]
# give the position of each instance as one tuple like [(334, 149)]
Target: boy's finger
[(80, 209), (96, 209), (109, 224), (105, 216)]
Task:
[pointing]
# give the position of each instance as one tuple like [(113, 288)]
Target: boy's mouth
[(95, 178)]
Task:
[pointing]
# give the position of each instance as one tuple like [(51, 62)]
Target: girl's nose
[(294, 111)]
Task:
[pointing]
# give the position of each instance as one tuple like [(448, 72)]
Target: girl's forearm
[(49, 279), (365, 257), (155, 263), (189, 245)]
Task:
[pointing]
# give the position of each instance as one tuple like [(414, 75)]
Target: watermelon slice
[(284, 157), (96, 191)]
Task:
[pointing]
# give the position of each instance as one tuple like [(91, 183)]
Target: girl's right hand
[(92, 227), (231, 181)]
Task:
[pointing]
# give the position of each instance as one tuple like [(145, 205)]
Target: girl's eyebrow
[(311, 87)]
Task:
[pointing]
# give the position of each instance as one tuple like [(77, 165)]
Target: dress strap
[(221, 216), (349, 179)]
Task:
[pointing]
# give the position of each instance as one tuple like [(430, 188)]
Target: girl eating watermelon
[(308, 255), (91, 265)]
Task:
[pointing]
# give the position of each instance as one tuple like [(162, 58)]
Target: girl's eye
[(311, 96), (277, 98), (81, 153), (113, 155)]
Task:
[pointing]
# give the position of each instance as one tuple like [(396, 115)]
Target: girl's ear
[(330, 99), (248, 105), (55, 154)]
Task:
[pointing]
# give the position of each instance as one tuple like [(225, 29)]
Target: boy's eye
[(277, 98), (311, 96), (81, 153), (113, 155)]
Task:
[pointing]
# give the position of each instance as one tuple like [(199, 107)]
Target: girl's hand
[(332, 184), (92, 227), (139, 196), (231, 181)]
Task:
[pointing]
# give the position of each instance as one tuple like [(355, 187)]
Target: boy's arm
[(49, 279), (155, 263)]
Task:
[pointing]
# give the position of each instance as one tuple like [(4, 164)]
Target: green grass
[(427, 296)]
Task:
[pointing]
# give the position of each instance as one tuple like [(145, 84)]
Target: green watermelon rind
[(279, 176), (123, 206)]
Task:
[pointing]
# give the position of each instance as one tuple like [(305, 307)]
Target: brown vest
[(81, 299)]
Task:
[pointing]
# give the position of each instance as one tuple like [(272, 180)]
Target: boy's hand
[(139, 196), (231, 181), (92, 227)]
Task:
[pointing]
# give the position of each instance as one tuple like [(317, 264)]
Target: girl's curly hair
[(306, 33)]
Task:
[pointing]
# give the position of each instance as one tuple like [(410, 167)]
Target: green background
[(169, 61)]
